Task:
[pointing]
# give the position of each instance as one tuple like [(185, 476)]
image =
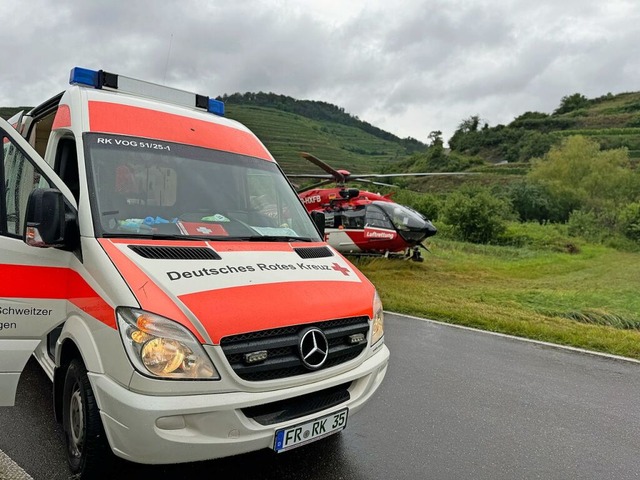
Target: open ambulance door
[(32, 291)]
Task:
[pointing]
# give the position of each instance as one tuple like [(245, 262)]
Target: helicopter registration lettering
[(312, 199)]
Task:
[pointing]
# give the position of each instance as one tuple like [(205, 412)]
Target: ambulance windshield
[(147, 187)]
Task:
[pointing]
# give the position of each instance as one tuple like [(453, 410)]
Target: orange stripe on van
[(150, 296), (231, 311), (62, 118), (27, 281), (142, 122)]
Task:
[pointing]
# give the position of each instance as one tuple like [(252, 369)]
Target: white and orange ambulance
[(162, 270)]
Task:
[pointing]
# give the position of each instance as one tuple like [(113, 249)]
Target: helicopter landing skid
[(412, 254)]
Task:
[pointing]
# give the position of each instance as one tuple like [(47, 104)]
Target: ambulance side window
[(19, 179)]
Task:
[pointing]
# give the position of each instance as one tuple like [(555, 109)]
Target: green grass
[(587, 299)]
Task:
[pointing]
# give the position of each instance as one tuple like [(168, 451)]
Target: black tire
[(88, 451)]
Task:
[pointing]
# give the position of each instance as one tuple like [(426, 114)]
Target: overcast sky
[(406, 66)]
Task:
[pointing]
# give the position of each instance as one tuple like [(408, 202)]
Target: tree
[(594, 177), (577, 175), (569, 103), (534, 145), (465, 134), (469, 124), (435, 138)]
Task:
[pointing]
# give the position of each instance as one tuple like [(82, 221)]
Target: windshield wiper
[(276, 238), (210, 238), (174, 236)]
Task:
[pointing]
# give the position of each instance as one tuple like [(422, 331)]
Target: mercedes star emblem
[(314, 348)]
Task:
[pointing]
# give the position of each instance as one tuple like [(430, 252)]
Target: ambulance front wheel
[(87, 448)]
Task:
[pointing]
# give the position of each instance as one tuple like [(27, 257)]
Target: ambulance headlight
[(160, 347), (377, 327)]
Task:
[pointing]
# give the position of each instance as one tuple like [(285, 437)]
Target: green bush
[(630, 221), (530, 201), (475, 215), (436, 159), (570, 103), (622, 243), (536, 201), (549, 236), (586, 225)]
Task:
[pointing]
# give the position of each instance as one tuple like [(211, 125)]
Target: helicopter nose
[(415, 234), (429, 229)]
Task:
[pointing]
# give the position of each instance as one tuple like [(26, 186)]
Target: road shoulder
[(10, 470)]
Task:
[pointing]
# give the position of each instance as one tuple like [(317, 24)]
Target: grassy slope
[(526, 292), (613, 122), (285, 134), (8, 112)]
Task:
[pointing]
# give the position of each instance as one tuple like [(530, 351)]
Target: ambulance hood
[(225, 288)]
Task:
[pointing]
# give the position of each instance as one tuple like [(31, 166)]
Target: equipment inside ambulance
[(166, 276)]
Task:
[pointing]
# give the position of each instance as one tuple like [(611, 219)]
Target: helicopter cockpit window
[(331, 220), (375, 217), (353, 218), (403, 218)]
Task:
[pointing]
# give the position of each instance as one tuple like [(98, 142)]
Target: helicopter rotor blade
[(315, 185), (310, 175), (339, 177), (363, 180), (418, 174)]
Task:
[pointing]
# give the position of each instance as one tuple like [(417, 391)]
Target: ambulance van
[(163, 272)]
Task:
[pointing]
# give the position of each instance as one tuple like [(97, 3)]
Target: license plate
[(298, 435)]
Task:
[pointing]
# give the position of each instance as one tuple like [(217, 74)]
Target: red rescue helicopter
[(358, 222)]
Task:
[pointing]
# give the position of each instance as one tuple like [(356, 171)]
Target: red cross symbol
[(338, 268)]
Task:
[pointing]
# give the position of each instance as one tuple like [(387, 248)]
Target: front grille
[(292, 408), (175, 253), (281, 344), (313, 252)]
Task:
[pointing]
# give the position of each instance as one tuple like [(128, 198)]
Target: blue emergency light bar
[(100, 79)]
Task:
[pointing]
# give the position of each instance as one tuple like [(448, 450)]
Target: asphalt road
[(456, 404)]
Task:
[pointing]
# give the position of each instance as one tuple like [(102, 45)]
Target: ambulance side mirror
[(318, 219), (46, 223)]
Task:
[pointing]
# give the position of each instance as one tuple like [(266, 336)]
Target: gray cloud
[(409, 67)]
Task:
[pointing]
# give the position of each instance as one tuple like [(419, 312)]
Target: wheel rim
[(76, 422)]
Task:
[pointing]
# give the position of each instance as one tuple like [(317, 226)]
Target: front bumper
[(186, 428)]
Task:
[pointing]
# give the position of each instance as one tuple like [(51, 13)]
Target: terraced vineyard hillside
[(614, 121), (285, 134), (288, 126), (611, 120)]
